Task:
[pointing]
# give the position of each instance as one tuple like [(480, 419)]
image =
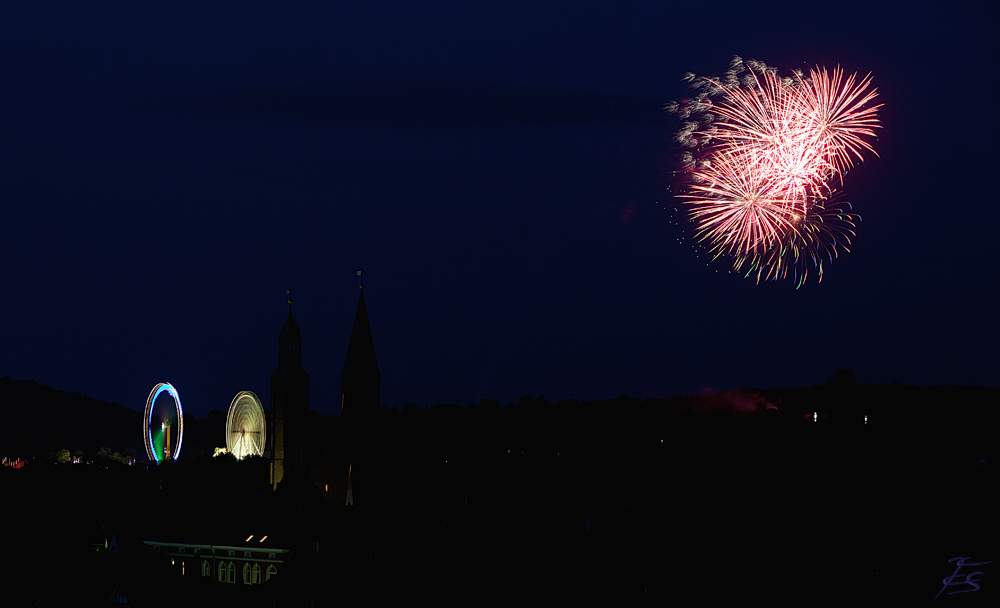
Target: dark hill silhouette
[(38, 420)]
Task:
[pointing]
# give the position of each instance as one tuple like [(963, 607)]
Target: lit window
[(256, 574), (327, 486), (246, 574), (232, 572)]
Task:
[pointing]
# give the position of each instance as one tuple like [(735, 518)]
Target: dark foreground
[(705, 509)]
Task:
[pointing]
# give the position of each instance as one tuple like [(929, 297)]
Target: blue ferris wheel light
[(148, 420)]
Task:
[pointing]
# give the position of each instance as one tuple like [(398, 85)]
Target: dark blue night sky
[(500, 171)]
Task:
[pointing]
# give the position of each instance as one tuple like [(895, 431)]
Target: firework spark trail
[(736, 198), (837, 111), (768, 153)]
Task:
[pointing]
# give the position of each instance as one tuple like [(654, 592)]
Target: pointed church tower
[(360, 382), (289, 400)]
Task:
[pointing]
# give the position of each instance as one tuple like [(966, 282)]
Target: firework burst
[(767, 154)]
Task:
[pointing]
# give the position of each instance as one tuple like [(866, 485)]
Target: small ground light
[(814, 416), (866, 418)]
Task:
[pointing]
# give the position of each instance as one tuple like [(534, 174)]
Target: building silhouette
[(360, 381), (306, 448), (360, 394), (289, 401)]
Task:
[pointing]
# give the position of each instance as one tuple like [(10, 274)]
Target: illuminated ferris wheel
[(245, 426), (163, 426)]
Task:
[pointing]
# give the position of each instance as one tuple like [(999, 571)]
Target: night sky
[(501, 172)]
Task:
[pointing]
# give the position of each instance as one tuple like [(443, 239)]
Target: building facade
[(248, 563)]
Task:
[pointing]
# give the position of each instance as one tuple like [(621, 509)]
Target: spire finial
[(289, 292), (361, 281)]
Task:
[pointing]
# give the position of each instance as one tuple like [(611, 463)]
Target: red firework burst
[(770, 153)]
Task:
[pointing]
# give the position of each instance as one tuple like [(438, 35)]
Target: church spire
[(360, 380), (289, 400)]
